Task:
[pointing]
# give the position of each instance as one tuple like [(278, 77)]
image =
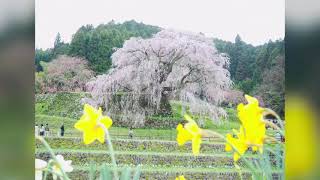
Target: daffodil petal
[(88, 137), (106, 121), (261, 150), (100, 135), (228, 148), (80, 125), (88, 109), (251, 100), (236, 157), (38, 175), (189, 131), (196, 145), (254, 148), (183, 135), (192, 128), (240, 107)]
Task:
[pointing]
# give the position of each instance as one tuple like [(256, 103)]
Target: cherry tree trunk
[(165, 107)]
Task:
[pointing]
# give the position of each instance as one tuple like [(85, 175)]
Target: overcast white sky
[(256, 21)]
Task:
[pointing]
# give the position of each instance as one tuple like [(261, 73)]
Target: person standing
[(130, 133), (36, 130), (42, 130), (47, 130), (62, 130)]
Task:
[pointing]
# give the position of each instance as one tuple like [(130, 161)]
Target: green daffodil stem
[(239, 170), (271, 112), (210, 133), (54, 174), (113, 159), (274, 153), (274, 140), (44, 142), (274, 126)]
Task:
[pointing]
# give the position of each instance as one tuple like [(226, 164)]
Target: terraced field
[(158, 158)]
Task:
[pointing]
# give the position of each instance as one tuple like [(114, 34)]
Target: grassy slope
[(63, 104)]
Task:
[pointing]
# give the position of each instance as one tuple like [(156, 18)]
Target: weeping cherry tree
[(149, 73)]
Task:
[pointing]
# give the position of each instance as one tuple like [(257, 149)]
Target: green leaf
[(92, 171), (105, 173), (126, 174), (137, 173)]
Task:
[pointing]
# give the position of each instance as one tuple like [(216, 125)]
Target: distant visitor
[(62, 130), (36, 130), (47, 133), (42, 130), (131, 133)]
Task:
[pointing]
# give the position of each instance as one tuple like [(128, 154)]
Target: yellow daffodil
[(302, 148), (252, 131), (239, 143), (91, 124), (189, 132), (180, 178), (251, 117)]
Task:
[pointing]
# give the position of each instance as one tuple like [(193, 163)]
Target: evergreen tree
[(57, 41), (59, 48), (250, 69), (97, 44), (42, 55)]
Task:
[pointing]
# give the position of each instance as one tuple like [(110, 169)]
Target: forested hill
[(257, 70), (96, 44)]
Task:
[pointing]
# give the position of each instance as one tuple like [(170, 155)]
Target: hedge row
[(155, 122), (163, 160), (131, 145)]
